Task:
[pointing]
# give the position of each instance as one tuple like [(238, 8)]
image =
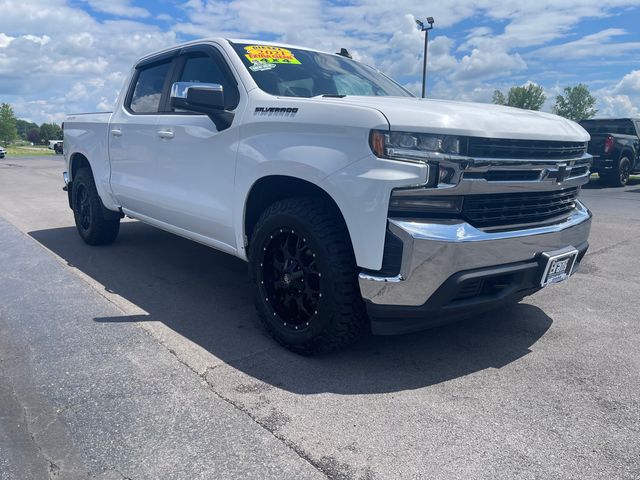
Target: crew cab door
[(133, 137), (189, 169)]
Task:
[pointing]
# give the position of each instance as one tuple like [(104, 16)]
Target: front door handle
[(168, 134), (116, 132)]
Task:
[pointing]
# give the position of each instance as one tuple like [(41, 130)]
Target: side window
[(628, 128), (148, 91), (203, 69)]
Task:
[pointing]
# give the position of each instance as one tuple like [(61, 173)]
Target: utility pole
[(425, 29)]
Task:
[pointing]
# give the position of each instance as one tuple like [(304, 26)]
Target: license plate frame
[(558, 266)]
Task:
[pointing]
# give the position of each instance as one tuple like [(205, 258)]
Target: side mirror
[(207, 98)]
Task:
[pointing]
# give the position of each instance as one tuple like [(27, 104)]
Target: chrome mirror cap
[(181, 89)]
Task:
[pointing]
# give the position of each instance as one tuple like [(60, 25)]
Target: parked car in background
[(3, 152), (357, 205), (55, 145), (615, 146)]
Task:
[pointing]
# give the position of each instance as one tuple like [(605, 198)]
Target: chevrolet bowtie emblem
[(563, 173)]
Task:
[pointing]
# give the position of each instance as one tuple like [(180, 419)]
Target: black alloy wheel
[(83, 208), (291, 281)]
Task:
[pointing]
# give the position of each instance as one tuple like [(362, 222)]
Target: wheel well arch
[(268, 190), (76, 162), (627, 152), (633, 158)]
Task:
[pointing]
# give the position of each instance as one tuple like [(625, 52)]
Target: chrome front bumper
[(433, 252)]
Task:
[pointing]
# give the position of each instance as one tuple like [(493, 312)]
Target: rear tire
[(304, 277), (620, 177), (95, 224)]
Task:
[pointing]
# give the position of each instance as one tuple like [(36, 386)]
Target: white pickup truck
[(358, 206)]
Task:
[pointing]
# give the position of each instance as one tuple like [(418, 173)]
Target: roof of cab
[(605, 119), (223, 40)]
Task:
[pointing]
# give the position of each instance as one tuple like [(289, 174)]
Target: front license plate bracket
[(558, 265)]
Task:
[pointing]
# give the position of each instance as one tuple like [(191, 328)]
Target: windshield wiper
[(332, 95)]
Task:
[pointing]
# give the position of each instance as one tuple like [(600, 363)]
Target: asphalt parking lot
[(145, 360)]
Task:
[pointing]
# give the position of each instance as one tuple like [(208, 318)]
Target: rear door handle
[(116, 132), (168, 134)]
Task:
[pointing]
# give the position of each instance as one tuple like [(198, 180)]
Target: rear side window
[(148, 91), (599, 127), (201, 68)]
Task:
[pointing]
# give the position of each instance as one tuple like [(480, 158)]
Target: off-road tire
[(96, 225), (340, 315)]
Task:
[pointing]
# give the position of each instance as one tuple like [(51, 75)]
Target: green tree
[(529, 97), (576, 104), (33, 135), (499, 98), (8, 131), (50, 131), (23, 127)]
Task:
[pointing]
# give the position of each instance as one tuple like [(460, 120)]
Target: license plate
[(559, 266)]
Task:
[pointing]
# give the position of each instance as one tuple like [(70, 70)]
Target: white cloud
[(121, 8), (5, 40), (617, 106), (621, 99), (43, 40), (591, 46), (60, 59), (483, 64), (630, 84)]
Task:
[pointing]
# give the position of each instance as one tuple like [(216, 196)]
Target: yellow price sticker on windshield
[(268, 54)]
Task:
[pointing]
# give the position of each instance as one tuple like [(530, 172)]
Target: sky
[(66, 56)]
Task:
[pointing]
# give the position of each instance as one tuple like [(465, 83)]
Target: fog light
[(410, 203)]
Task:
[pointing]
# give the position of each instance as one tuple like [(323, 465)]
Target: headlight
[(416, 147)]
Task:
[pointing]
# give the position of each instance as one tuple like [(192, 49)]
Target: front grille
[(524, 175), (529, 149), (504, 175), (505, 209)]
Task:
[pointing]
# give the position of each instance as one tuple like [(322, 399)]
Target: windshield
[(292, 72)]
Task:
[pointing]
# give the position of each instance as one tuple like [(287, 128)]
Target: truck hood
[(470, 119)]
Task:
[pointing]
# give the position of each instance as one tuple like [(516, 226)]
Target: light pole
[(424, 29)]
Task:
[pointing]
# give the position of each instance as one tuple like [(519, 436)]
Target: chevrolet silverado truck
[(358, 207), (615, 147)]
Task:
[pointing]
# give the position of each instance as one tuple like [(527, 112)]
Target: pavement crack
[(53, 469), (297, 449), (124, 477), (608, 248)]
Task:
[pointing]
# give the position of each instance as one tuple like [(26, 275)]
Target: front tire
[(95, 226), (304, 277)]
